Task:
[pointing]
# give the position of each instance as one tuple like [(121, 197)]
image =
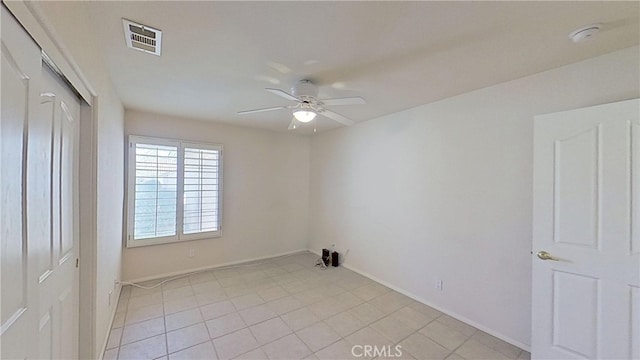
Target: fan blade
[(261, 110), (292, 124), (337, 117), (282, 93), (356, 100)]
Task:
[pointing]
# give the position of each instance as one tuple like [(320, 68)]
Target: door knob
[(543, 255)]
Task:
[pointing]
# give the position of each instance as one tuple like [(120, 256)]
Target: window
[(174, 191)]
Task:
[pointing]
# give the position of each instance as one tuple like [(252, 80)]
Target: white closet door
[(40, 124), (54, 207), (20, 96)]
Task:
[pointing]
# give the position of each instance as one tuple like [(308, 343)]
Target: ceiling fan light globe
[(304, 116)]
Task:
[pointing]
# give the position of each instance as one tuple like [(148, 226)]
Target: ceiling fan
[(307, 105)]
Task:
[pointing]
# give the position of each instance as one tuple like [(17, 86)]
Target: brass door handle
[(543, 255)]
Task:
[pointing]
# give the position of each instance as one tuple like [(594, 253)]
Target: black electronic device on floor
[(335, 259), (326, 256)]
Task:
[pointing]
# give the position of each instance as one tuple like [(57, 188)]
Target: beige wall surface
[(444, 190), (265, 196)]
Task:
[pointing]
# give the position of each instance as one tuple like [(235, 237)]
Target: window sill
[(173, 239)]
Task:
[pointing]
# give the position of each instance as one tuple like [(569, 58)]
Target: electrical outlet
[(192, 253), (439, 285)]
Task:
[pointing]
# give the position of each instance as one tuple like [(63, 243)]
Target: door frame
[(36, 25)]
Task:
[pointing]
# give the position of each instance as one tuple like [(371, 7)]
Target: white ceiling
[(217, 57)]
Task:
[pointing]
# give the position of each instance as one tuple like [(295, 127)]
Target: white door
[(586, 297), (20, 93), (40, 118), (56, 201)]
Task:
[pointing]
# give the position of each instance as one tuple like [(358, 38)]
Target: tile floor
[(285, 308)]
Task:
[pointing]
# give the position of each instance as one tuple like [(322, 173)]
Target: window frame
[(131, 185)]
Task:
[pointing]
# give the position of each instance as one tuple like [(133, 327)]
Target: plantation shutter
[(155, 198), (174, 191), (201, 189)]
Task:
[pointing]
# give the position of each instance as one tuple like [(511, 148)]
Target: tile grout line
[(124, 322), (126, 310), (164, 322), (296, 291), (215, 351)]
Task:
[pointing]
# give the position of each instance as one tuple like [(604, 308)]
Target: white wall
[(66, 18), (444, 190), (265, 196)]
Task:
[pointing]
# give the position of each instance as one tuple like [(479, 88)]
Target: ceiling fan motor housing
[(305, 90)]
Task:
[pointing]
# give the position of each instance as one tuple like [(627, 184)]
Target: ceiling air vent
[(142, 37)]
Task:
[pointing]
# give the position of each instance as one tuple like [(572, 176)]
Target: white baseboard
[(356, 270), (442, 310), (183, 272), (113, 317), (204, 268)]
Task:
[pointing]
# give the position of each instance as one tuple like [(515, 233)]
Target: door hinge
[(77, 262)]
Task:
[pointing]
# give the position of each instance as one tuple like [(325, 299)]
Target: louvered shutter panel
[(156, 173), (201, 190)]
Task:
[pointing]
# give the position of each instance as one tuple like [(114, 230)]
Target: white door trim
[(31, 18), (88, 202)]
